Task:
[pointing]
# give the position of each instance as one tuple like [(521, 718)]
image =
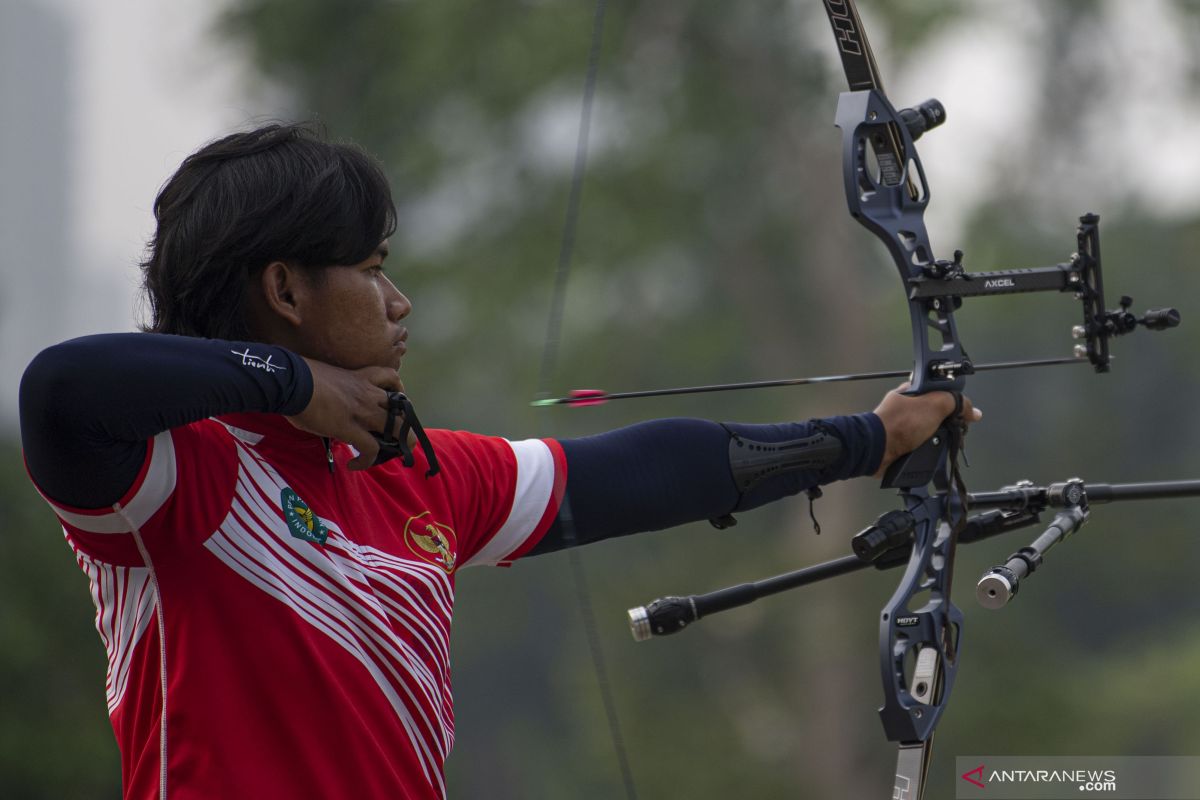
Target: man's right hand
[(350, 406)]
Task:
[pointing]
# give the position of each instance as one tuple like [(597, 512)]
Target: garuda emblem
[(431, 541)]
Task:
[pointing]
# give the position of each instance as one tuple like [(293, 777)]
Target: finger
[(947, 402), (377, 418), (384, 378), (381, 420), (368, 451), (970, 413)]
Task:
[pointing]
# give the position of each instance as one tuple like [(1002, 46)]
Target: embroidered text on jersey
[(258, 362)]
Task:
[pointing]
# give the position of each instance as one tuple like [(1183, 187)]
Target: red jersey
[(277, 625)]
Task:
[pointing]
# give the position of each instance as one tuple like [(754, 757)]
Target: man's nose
[(399, 306)]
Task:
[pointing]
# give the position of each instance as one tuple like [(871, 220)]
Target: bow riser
[(887, 193), (891, 204), (911, 712)]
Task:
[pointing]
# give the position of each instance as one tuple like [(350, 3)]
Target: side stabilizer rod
[(886, 544)]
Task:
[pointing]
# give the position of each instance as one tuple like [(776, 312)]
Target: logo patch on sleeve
[(301, 521), (431, 541)]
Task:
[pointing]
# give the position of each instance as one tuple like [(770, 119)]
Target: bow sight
[(942, 281), (940, 287)]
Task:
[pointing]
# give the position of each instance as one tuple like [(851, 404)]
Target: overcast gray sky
[(152, 84), (145, 84)]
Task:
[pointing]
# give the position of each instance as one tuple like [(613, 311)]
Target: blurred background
[(713, 245)]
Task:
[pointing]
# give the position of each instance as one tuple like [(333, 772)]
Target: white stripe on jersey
[(155, 489), (535, 482), (401, 607), (125, 606), (357, 597), (358, 594), (354, 596)]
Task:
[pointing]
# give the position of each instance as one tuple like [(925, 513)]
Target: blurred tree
[(54, 735)]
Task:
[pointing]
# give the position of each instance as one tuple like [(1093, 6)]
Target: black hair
[(277, 193)]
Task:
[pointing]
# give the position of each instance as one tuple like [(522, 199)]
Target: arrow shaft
[(602, 397)]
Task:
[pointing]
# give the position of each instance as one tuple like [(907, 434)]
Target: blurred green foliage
[(714, 246), (54, 735)]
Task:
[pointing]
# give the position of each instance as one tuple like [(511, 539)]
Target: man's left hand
[(910, 420)]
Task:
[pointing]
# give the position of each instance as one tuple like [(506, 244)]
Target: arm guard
[(752, 462)]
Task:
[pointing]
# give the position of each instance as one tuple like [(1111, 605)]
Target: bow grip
[(919, 467)]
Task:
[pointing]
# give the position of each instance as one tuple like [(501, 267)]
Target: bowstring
[(547, 370)]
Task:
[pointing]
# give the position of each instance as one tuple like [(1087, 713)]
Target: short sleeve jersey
[(276, 624)]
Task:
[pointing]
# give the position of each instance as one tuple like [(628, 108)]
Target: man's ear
[(284, 291)]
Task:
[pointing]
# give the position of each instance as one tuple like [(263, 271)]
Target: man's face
[(354, 319)]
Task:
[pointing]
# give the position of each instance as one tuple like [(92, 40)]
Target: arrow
[(595, 397)]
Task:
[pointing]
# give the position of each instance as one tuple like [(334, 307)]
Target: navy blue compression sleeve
[(659, 474), (89, 405)]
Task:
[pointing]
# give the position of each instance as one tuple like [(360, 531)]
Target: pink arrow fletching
[(587, 397)]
